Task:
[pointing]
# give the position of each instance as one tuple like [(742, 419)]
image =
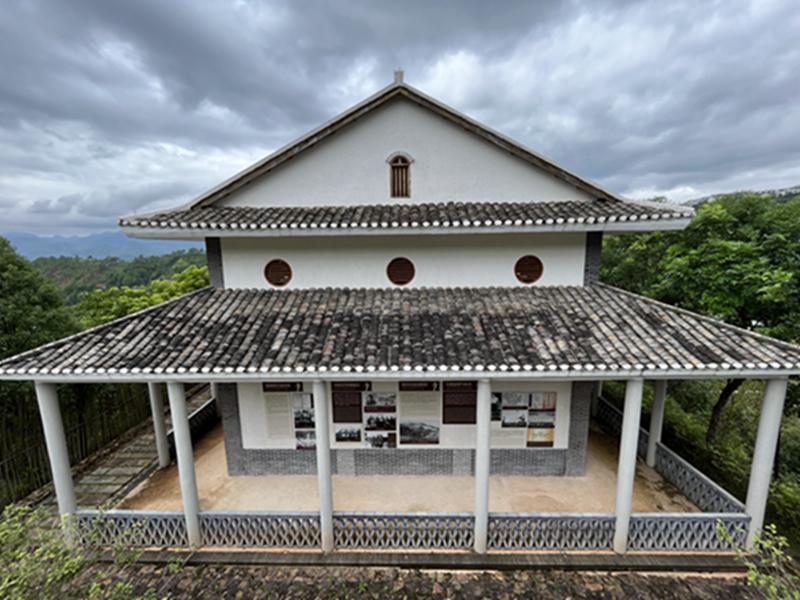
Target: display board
[(532, 412)]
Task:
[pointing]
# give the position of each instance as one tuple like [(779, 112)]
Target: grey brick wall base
[(408, 461)]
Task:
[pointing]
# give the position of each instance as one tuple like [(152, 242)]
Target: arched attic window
[(400, 175)]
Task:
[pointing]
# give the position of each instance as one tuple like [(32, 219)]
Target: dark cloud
[(108, 107)]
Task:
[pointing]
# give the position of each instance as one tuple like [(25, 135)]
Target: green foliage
[(35, 562), (31, 310), (102, 306), (738, 261), (75, 275), (769, 566)]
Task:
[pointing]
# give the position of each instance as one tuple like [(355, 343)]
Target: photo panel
[(373, 439), (380, 422), (348, 433), (303, 405), (515, 418), (419, 432), (380, 402), (305, 439)]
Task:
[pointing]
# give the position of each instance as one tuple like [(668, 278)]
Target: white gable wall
[(450, 164), (440, 261)]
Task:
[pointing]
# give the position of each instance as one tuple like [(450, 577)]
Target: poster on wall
[(539, 437), (541, 418), (419, 432), (303, 411), (380, 402), (380, 422), (374, 439), (348, 433), (543, 401), (305, 439), (515, 400), (515, 418)]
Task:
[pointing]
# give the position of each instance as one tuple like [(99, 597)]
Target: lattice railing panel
[(131, 528), (265, 530), (700, 489), (690, 531), (550, 531), (397, 530)]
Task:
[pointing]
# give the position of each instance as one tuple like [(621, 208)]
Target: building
[(403, 292)]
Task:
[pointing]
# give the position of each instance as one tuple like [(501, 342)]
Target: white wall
[(450, 164), (258, 432), (448, 260)]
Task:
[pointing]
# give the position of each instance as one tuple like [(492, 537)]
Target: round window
[(400, 271), (278, 272), (528, 269)]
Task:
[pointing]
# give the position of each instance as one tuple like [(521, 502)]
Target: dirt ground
[(229, 582), (594, 492)]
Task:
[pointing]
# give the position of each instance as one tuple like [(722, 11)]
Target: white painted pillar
[(56, 442), (482, 464), (159, 424), (656, 420), (626, 470), (323, 445), (183, 452), (769, 425)]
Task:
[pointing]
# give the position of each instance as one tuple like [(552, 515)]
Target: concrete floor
[(593, 492)]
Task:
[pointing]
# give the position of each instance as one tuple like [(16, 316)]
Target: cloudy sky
[(110, 107)]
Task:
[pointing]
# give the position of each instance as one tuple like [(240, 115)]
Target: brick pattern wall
[(409, 461), (594, 247), (214, 262)]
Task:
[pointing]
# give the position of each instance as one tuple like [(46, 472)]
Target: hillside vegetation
[(74, 275)]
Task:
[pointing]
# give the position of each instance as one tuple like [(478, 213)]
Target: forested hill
[(74, 275)]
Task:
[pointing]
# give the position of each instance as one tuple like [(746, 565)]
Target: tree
[(31, 314), (738, 261), (102, 306)]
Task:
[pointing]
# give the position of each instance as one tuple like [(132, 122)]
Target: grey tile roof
[(546, 331), (405, 216)]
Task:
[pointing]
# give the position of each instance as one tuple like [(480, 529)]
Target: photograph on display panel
[(305, 440), (348, 433), (380, 440), (303, 411), (380, 402), (380, 422), (419, 432)]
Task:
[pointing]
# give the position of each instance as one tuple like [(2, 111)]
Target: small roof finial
[(398, 76)]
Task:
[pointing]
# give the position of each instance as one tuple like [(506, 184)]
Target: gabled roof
[(399, 89), (486, 217), (558, 332)]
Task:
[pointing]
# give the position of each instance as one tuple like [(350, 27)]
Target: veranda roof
[(403, 218), (552, 332)]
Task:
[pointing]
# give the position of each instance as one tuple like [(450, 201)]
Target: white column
[(769, 425), (626, 470), (159, 424), (57, 452), (482, 464), (183, 452), (656, 420), (323, 445)]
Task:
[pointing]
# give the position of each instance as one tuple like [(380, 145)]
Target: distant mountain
[(776, 193), (96, 245)]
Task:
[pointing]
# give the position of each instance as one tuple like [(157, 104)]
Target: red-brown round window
[(278, 272), (528, 269), (400, 271)]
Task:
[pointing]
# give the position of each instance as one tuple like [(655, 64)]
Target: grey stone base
[(409, 461)]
